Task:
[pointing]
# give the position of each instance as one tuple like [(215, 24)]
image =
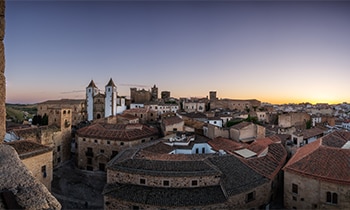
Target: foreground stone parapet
[(15, 177)]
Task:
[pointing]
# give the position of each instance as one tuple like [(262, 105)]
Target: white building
[(112, 103)]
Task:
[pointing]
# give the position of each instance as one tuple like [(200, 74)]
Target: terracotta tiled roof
[(323, 159), (241, 125), (172, 120), (270, 164), (195, 115), (128, 116), (308, 133), (23, 132), (26, 149), (136, 110), (227, 145), (119, 132), (259, 145)]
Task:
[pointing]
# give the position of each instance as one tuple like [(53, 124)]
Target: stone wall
[(157, 181), (214, 131), (261, 197), (293, 119), (29, 192), (2, 72), (312, 193), (247, 132), (77, 110), (35, 164), (102, 150)]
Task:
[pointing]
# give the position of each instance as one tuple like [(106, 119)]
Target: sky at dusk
[(277, 52)]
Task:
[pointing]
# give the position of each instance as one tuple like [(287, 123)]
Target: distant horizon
[(273, 51)]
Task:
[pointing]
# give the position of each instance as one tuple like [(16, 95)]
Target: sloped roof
[(121, 132), (172, 120), (160, 196), (323, 159), (26, 149), (165, 168), (111, 83), (92, 84), (270, 164), (241, 125), (220, 143), (237, 176)]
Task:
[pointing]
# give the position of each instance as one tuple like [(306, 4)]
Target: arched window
[(335, 198), (331, 198)]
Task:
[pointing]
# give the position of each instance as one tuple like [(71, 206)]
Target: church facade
[(99, 105)]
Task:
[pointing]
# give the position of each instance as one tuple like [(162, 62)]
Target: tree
[(44, 120), (36, 120), (308, 124)]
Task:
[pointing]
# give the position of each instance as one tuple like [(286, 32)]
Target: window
[(332, 198), (194, 182), (142, 141), (108, 142), (95, 141), (59, 159), (295, 188), (101, 166), (58, 148), (84, 139), (43, 171), (142, 181), (102, 151), (166, 183), (122, 143), (250, 197), (89, 160)]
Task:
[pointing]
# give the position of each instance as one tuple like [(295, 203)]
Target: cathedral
[(105, 104)]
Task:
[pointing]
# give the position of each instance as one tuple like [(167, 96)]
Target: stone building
[(142, 96), (194, 106), (57, 135), (37, 158), (100, 142), (234, 104), (77, 108), (144, 114), (18, 187), (172, 124), (52, 136), (166, 175), (243, 132), (161, 108), (293, 119), (318, 175), (99, 105)]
